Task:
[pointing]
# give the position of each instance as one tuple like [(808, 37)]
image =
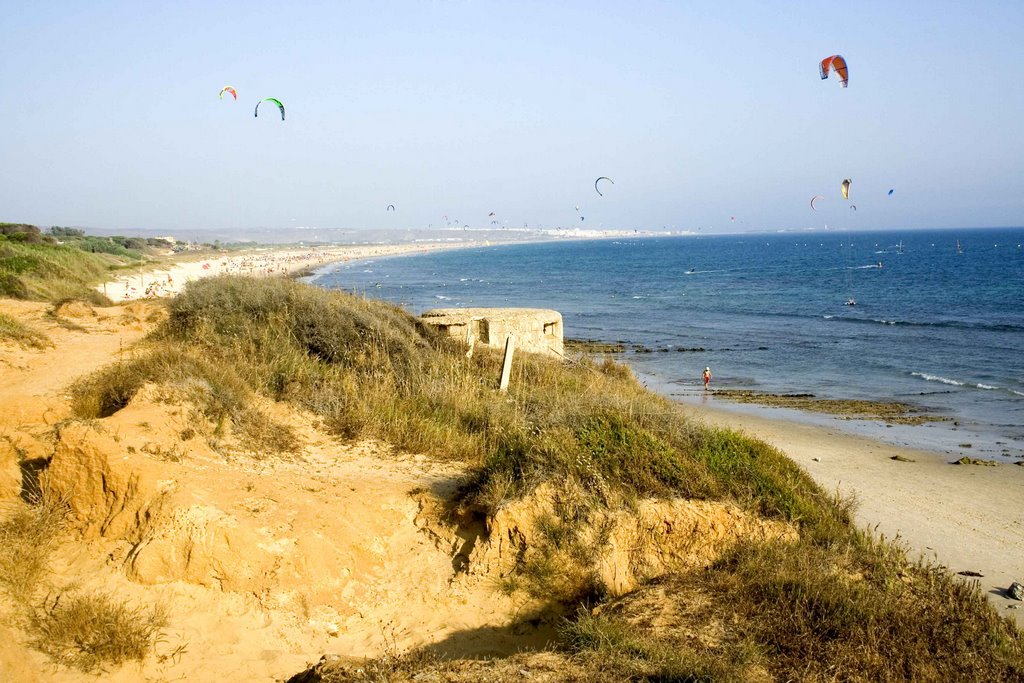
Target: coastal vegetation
[(35, 268), (65, 263), (836, 602)]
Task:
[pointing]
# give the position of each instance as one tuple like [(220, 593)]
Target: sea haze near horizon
[(932, 326)]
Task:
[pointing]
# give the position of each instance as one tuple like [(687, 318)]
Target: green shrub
[(51, 272)]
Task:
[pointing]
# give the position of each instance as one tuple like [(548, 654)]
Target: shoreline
[(944, 437), (964, 517), (160, 280)]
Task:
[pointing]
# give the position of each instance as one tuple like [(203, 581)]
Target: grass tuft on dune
[(14, 330)]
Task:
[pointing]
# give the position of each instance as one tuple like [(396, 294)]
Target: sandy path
[(966, 517)]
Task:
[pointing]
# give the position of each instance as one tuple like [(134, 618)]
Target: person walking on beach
[(707, 378)]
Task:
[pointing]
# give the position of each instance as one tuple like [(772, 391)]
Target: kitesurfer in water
[(707, 378)]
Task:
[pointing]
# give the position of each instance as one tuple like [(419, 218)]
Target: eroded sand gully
[(263, 564)]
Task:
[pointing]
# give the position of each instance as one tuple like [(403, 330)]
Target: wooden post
[(470, 337), (506, 365)]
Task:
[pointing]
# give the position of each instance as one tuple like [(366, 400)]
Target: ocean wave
[(937, 378), (959, 383), (951, 324), (442, 297)]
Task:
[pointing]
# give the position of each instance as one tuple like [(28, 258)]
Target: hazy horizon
[(707, 119)]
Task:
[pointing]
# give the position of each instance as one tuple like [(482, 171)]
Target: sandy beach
[(170, 278), (965, 517)]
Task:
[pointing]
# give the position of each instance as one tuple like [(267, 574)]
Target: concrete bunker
[(537, 330)]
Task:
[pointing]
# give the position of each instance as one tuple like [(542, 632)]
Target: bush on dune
[(218, 392), (371, 369)]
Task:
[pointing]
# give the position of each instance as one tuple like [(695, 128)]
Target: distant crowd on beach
[(170, 280)]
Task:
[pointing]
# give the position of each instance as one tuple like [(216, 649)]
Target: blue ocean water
[(934, 325)]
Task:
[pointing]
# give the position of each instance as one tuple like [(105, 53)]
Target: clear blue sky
[(109, 115)]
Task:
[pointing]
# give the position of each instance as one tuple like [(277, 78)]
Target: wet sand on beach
[(966, 517)]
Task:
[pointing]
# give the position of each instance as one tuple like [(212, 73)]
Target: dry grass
[(20, 333), (221, 394), (91, 632), (28, 538), (84, 631), (854, 611)]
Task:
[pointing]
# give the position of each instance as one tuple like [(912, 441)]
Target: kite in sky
[(838, 66), (269, 99)]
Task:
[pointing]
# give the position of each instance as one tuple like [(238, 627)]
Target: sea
[(938, 319)]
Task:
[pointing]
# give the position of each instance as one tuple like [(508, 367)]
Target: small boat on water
[(851, 302), (959, 249)]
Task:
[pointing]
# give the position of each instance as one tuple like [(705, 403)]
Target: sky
[(707, 118)]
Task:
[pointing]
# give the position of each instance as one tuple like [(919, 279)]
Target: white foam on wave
[(985, 386), (442, 297), (1019, 393), (936, 378)]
